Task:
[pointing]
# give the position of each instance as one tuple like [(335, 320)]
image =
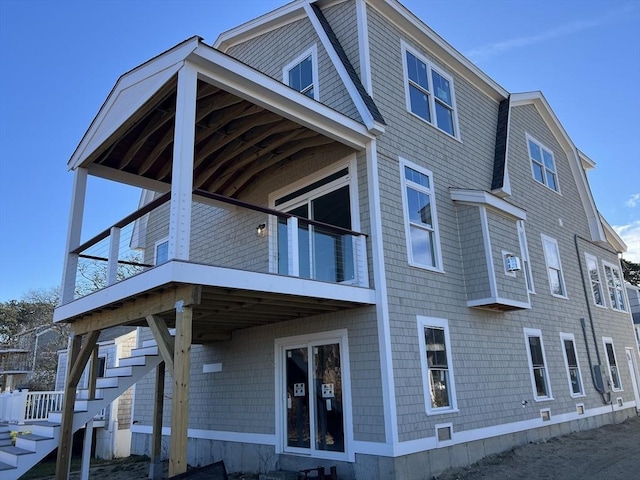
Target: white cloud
[(630, 235), (485, 52), (633, 200)]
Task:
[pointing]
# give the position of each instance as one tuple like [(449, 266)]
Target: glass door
[(314, 401)]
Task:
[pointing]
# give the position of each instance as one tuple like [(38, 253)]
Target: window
[(162, 251), (429, 93), (524, 252), (542, 164), (615, 286), (612, 363), (594, 276), (437, 369), (322, 254), (571, 362), (554, 267), (313, 394), (537, 364), (301, 74), (421, 223)]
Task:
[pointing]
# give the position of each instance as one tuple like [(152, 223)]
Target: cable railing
[(225, 232)]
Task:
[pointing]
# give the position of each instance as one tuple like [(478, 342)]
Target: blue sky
[(59, 60)]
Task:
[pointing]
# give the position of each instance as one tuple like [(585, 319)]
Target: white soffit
[(480, 197), (612, 237)]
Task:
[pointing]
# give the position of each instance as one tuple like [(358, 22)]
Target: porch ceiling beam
[(157, 120), (233, 151), (262, 165), (209, 336), (139, 308), (251, 157), (166, 344), (160, 147)]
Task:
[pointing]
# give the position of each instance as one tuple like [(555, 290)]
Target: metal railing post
[(294, 247), (114, 252)]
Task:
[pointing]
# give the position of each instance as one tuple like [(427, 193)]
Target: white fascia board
[(612, 237), (587, 163), (130, 92), (197, 274), (268, 22), (574, 156), (450, 58), (233, 76), (356, 98), (480, 197)]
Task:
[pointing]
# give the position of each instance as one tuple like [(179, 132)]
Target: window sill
[(564, 297), (602, 306), (578, 395), (543, 399), (454, 137), (442, 412), (429, 269)]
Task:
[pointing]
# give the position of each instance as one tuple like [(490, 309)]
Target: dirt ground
[(611, 452)]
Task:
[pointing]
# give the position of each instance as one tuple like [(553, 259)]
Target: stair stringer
[(85, 411)]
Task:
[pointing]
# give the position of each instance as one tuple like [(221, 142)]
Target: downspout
[(606, 396)]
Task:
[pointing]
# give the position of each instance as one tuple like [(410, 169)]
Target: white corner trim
[(363, 44)]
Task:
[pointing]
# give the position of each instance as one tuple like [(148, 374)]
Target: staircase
[(42, 438)]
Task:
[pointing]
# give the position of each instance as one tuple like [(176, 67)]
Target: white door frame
[(635, 375)]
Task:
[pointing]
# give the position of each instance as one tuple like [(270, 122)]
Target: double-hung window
[(543, 164), (615, 286), (537, 364), (429, 92), (594, 276), (301, 74), (612, 363), (554, 267), (421, 223), (437, 367), (571, 362)]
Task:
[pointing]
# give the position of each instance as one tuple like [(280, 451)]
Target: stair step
[(5, 442), (30, 441), (83, 394), (6, 466), (107, 382), (130, 361), (45, 429), (145, 350), (126, 371), (9, 455)]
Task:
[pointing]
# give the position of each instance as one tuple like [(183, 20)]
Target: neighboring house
[(633, 292), (113, 433), (19, 358), (373, 255)]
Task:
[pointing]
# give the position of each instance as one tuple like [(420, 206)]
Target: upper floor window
[(571, 362), (612, 363), (542, 164), (302, 73), (554, 267), (421, 223), (537, 364), (615, 286), (429, 92), (524, 252), (437, 368), (162, 251), (594, 276)]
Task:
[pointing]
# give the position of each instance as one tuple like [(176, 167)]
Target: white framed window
[(313, 395), (161, 251), (574, 374), (612, 363), (429, 92), (437, 366), (554, 266), (301, 74), (615, 286), (537, 365), (420, 216), (524, 253), (543, 165), (594, 277)]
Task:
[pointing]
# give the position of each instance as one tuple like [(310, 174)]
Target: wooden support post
[(155, 466), (180, 403), (166, 344), (80, 349)]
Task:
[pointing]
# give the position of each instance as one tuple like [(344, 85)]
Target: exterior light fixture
[(261, 230)]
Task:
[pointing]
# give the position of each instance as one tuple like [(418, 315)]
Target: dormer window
[(302, 73), (429, 93), (543, 165)]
